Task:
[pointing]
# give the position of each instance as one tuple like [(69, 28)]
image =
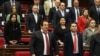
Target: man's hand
[(13, 42), (33, 55), (56, 55), (29, 31)]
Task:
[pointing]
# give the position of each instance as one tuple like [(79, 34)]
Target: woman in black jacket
[(12, 31), (60, 30)]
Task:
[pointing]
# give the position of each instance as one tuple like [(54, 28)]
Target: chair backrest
[(61, 53), (22, 53), (1, 42)]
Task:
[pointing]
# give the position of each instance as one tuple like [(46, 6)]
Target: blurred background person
[(75, 12), (91, 3), (83, 21), (13, 11), (47, 5), (89, 31), (7, 6), (60, 13), (33, 20), (53, 10), (41, 2), (69, 3), (95, 43), (12, 31), (94, 11), (40, 8), (60, 30)]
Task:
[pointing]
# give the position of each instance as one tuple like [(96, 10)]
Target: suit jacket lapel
[(32, 17), (38, 18), (71, 38), (60, 13), (49, 36), (95, 9), (74, 11), (41, 36), (16, 4), (9, 4)]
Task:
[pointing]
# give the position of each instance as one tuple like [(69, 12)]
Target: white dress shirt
[(45, 46), (35, 17), (12, 2), (62, 13), (77, 49)]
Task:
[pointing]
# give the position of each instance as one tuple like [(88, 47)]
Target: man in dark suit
[(73, 44), (53, 10), (60, 13), (33, 20), (40, 8), (91, 3), (7, 7), (75, 12), (94, 11), (42, 42), (41, 2)]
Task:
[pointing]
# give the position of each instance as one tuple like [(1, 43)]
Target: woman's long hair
[(11, 17)]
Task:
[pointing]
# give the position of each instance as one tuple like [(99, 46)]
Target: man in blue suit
[(73, 44), (75, 12)]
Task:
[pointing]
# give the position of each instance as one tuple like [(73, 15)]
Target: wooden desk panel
[(11, 49)]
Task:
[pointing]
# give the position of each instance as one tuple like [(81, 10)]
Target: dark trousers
[(75, 54)]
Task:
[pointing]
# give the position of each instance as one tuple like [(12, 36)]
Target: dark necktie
[(47, 43)]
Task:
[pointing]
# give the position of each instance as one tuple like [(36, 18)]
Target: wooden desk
[(24, 34), (11, 49)]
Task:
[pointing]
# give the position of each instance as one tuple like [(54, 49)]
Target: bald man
[(75, 12), (33, 20), (53, 10), (40, 8)]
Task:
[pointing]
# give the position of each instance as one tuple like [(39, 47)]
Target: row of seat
[(27, 53), (2, 40)]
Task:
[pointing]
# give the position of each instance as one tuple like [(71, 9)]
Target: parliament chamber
[(21, 49)]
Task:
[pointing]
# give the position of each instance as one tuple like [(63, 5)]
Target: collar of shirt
[(43, 31), (34, 13), (12, 0)]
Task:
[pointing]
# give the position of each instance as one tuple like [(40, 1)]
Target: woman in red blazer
[(83, 21)]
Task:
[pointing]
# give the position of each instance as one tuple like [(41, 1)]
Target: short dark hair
[(71, 24), (41, 24)]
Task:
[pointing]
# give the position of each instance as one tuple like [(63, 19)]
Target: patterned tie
[(75, 42), (47, 43)]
